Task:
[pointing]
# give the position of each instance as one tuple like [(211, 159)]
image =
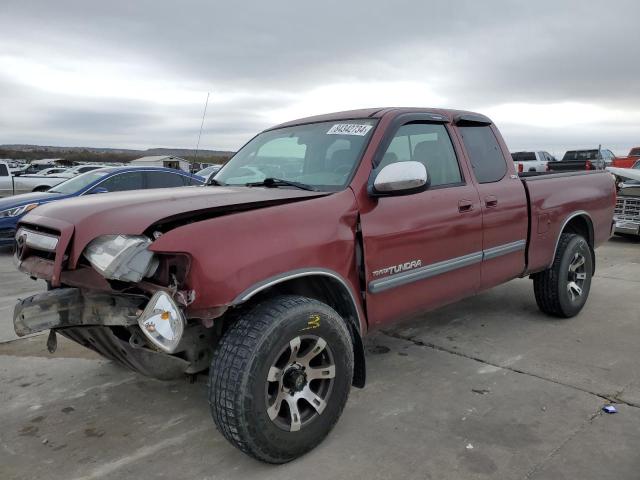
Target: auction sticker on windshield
[(349, 129)]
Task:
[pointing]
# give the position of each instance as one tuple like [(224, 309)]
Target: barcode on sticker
[(349, 129)]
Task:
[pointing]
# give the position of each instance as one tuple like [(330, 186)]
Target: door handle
[(465, 206), (490, 201)]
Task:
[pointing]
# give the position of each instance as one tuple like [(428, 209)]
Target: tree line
[(84, 156)]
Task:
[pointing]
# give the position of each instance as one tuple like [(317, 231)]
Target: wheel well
[(41, 188), (581, 225), (334, 293)]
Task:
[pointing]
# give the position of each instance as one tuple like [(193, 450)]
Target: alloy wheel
[(299, 382)]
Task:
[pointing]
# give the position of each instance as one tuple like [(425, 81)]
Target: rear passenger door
[(505, 219), (422, 250)]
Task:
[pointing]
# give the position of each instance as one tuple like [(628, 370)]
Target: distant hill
[(99, 154)]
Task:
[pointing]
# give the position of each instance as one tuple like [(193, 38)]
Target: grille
[(627, 209)]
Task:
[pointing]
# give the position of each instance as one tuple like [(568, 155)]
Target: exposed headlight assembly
[(17, 211), (122, 257)]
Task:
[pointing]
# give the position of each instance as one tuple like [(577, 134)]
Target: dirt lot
[(485, 388)]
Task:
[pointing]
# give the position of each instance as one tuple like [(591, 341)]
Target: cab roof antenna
[(204, 113)]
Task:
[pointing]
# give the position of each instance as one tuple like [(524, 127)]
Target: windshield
[(76, 184), (322, 155)]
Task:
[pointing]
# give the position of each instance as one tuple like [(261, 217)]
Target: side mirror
[(400, 178), (98, 190)]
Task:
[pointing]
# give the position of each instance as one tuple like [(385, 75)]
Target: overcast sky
[(134, 73)]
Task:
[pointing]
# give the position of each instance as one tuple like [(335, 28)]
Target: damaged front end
[(120, 299), (149, 336)]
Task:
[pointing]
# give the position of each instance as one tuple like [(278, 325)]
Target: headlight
[(17, 211), (122, 257)]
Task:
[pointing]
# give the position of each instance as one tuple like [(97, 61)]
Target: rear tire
[(563, 289), (280, 377)]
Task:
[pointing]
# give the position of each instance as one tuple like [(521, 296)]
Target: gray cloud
[(260, 57)]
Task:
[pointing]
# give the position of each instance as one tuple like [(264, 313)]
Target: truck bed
[(554, 199)]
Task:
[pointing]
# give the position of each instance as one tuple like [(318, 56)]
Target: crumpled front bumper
[(71, 307), (104, 322)]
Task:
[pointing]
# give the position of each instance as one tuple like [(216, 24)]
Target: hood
[(26, 198), (630, 173), (136, 211)]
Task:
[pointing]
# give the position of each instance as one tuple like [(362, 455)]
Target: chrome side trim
[(428, 271), (504, 249), (567, 220), (422, 273), (304, 272)]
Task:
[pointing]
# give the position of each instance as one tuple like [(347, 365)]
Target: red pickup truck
[(629, 161), (316, 232)]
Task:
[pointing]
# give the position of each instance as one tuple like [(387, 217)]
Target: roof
[(160, 158), (449, 114), (142, 167)]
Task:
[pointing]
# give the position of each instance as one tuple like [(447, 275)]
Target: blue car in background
[(108, 179)]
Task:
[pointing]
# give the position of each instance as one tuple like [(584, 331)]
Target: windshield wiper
[(271, 182)]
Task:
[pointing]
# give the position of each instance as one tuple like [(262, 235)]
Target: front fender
[(232, 253)]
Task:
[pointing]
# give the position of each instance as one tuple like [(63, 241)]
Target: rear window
[(486, 157), (581, 155), (524, 156), (635, 152)]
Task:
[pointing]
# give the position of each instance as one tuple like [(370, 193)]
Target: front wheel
[(280, 377), (562, 290)]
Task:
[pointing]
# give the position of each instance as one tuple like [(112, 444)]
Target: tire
[(562, 290), (257, 373)]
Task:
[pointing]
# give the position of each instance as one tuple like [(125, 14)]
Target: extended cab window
[(122, 182), (428, 144), (485, 154)]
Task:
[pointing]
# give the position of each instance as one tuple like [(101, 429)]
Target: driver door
[(422, 250)]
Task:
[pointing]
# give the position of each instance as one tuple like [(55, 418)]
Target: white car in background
[(55, 171), (208, 171), (532, 161), (78, 169)]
